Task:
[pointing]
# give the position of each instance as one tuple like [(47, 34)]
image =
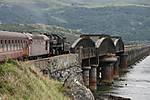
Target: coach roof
[(6, 34), (36, 36)]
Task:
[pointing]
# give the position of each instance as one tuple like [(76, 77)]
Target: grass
[(20, 81)]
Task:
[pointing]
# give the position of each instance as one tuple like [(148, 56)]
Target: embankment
[(67, 70), (21, 81)]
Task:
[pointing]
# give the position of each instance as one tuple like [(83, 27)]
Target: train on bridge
[(101, 57), (26, 45)]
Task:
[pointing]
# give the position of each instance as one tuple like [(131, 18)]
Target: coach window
[(1, 48), (18, 44), (22, 44), (5, 45), (2, 42), (46, 47), (12, 45), (15, 44), (9, 45), (26, 44)]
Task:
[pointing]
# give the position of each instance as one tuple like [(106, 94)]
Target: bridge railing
[(134, 47)]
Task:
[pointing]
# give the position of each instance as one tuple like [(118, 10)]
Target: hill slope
[(126, 18), (132, 23), (21, 82)]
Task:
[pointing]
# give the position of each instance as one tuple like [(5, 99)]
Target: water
[(136, 83)]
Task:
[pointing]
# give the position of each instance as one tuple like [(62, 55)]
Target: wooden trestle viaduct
[(103, 57)]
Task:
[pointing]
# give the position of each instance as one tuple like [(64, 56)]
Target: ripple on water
[(136, 83)]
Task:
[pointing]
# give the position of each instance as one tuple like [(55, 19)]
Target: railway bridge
[(103, 57)]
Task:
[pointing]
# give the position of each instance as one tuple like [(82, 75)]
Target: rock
[(67, 70), (63, 74), (78, 91), (72, 79)]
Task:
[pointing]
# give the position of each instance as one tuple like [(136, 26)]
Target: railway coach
[(19, 45), (38, 45), (13, 45)]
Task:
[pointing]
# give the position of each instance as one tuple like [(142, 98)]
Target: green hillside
[(57, 4), (126, 18), (130, 22), (20, 81)]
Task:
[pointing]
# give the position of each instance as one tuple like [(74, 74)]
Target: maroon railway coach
[(13, 45), (39, 45)]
